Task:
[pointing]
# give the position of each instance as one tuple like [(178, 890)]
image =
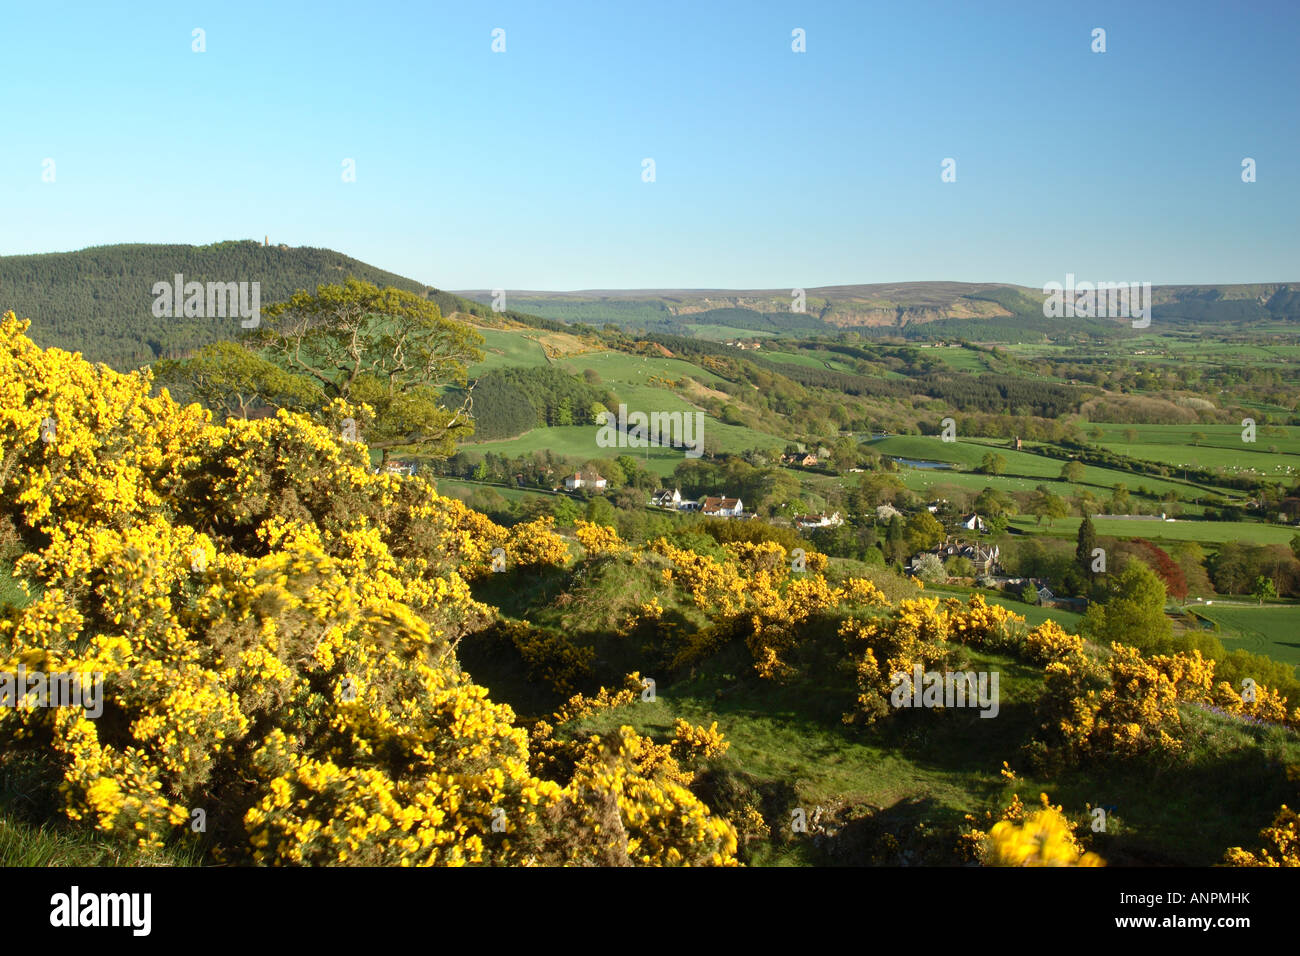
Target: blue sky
[(523, 169)]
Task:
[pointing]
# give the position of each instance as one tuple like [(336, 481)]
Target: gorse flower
[(277, 628)]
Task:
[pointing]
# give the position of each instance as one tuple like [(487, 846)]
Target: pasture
[(1271, 629), (1020, 465), (1206, 532), (1220, 447)]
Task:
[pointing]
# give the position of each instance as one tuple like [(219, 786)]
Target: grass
[(911, 778), (916, 775), (961, 359), (616, 367), (51, 844), (11, 594), (509, 348), (1207, 532), (1221, 447), (1020, 465), (578, 442), (628, 376), (1271, 629)]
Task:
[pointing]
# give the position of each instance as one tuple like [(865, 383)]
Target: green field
[(509, 349), (961, 359), (1039, 468), (1208, 532), (1222, 447), (619, 367), (1272, 630)]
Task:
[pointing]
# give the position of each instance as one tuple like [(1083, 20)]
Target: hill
[(908, 309), (99, 301)]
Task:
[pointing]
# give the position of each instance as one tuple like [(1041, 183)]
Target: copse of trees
[(1133, 612), (1236, 567), (510, 401)]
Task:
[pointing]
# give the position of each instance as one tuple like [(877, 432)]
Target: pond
[(920, 463)]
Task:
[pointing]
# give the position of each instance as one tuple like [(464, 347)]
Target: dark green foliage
[(511, 401), (99, 301)]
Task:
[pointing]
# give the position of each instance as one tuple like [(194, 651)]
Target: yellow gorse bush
[(1281, 844), (276, 627), (1021, 837), (598, 539)]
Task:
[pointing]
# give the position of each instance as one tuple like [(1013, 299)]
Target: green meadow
[(1206, 532), (509, 348), (1270, 629), (1020, 465), (1220, 447)]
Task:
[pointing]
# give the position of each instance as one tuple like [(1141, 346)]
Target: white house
[(585, 479), (663, 498), (819, 521), (974, 522), (722, 507)]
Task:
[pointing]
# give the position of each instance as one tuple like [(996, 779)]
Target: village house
[(984, 559), (818, 521), (396, 467), (974, 522), (584, 479), (806, 461), (718, 507), (663, 498)]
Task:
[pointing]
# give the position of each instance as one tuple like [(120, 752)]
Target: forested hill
[(99, 301)]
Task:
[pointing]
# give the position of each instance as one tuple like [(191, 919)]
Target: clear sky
[(523, 169)]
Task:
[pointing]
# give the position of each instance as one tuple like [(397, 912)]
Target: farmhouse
[(663, 498), (974, 522), (722, 507), (805, 461), (585, 479)]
